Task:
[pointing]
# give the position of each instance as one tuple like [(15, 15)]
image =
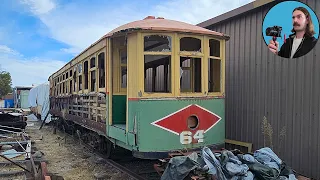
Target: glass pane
[(70, 86), (86, 75), (93, 80), (190, 44), (92, 62), (186, 80), (80, 68), (101, 65), (80, 82), (214, 75), (123, 56), (157, 43), (190, 74), (186, 63), (123, 77), (157, 73), (214, 47)]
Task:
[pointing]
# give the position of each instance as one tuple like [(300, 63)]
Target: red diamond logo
[(177, 121)]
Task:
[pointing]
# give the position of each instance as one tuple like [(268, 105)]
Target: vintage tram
[(152, 86)]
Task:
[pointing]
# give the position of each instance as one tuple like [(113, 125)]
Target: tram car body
[(152, 86)]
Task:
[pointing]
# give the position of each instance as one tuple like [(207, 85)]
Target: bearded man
[(301, 41)]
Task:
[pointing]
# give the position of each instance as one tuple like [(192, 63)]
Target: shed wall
[(286, 91)]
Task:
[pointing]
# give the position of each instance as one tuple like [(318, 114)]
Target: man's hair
[(310, 28)]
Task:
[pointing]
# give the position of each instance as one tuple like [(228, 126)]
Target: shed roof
[(236, 12)]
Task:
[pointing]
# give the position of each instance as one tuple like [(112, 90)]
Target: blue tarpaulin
[(8, 103)]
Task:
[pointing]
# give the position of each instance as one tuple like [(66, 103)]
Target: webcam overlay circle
[(281, 15)]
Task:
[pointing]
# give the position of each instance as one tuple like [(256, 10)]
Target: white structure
[(39, 100)]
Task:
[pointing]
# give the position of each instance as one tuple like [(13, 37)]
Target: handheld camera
[(274, 31)]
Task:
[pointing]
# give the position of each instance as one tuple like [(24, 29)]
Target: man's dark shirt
[(305, 46)]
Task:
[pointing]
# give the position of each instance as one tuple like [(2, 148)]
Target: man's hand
[(273, 46)]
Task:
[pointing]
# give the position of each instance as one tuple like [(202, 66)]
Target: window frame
[(192, 54), (168, 53), (105, 70), (121, 89), (84, 74), (89, 73), (221, 58)]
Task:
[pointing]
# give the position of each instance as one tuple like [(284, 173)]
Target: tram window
[(101, 70), (123, 77), (92, 62), (190, 44), (93, 80), (123, 56), (157, 73), (80, 68), (214, 75), (157, 43), (74, 83), (80, 82), (86, 74), (190, 74), (123, 68), (214, 47), (70, 86)]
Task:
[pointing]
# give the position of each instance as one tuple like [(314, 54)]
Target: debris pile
[(263, 164), (13, 120), (16, 148)]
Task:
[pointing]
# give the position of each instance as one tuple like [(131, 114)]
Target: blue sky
[(284, 20), (37, 37)]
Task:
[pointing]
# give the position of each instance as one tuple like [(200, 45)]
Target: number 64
[(186, 137)]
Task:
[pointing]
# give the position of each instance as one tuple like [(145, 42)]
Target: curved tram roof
[(156, 24)]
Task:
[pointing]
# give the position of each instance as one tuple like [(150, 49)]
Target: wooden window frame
[(122, 90), (96, 73), (142, 53), (102, 89), (191, 54), (222, 66)]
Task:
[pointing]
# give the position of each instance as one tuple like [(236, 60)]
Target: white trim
[(154, 123), (165, 129), (210, 113)]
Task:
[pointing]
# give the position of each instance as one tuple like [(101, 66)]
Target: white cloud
[(25, 72), (6, 50), (40, 7), (80, 28), (74, 51)]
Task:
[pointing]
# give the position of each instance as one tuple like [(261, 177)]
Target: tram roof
[(161, 24), (155, 24)]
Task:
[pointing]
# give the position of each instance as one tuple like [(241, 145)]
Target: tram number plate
[(186, 137)]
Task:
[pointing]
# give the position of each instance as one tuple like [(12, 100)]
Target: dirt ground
[(67, 158)]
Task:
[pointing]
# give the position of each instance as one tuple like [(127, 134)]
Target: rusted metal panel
[(93, 125), (260, 84)]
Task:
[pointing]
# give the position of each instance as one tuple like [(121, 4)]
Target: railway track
[(121, 159)]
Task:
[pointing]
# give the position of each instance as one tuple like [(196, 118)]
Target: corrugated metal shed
[(258, 84)]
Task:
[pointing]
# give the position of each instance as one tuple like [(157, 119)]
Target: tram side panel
[(168, 125)]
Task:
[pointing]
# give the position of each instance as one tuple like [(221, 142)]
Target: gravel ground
[(68, 158)]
